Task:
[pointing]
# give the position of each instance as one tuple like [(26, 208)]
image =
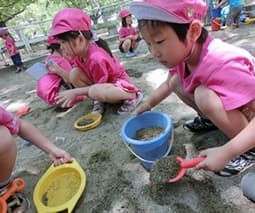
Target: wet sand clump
[(164, 169)]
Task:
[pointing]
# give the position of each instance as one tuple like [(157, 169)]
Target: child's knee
[(78, 79), (206, 99), (7, 140), (95, 92)]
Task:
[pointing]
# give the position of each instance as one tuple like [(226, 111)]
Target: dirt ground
[(116, 180)]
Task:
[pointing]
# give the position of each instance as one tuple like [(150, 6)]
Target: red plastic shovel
[(17, 185), (184, 165)]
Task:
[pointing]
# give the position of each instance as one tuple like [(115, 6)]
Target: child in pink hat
[(214, 78), (12, 50), (11, 126), (128, 36), (59, 67), (96, 73)]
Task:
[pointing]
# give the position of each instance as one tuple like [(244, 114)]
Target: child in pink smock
[(48, 87), (128, 36), (214, 78), (96, 73), (9, 127), (12, 50)]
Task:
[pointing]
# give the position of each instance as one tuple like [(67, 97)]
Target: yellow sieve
[(88, 121)]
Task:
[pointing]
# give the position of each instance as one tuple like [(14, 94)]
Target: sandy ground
[(116, 181)]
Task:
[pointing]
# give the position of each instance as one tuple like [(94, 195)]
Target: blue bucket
[(150, 150)]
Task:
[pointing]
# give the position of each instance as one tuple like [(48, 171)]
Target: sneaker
[(250, 154), (4, 189), (199, 124), (98, 107), (18, 70), (130, 104), (18, 203), (129, 54), (24, 68), (238, 164)]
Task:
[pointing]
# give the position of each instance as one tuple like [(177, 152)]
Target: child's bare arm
[(30, 133), (217, 158), (163, 91)]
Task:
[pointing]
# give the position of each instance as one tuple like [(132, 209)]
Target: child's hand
[(52, 67), (65, 98), (59, 156), (142, 108), (216, 159)]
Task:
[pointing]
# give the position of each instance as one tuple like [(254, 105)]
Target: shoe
[(129, 54), (199, 124), (238, 164), (18, 70), (130, 104), (24, 68), (18, 203), (4, 188), (98, 107), (250, 155)]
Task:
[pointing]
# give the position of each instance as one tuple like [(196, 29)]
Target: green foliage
[(19, 12), (10, 8), (106, 25)]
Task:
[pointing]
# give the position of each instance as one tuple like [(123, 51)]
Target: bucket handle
[(148, 161)]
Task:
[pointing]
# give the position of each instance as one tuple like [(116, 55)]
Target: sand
[(116, 180)]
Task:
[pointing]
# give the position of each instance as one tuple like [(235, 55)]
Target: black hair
[(88, 35), (123, 22), (180, 29), (53, 47)]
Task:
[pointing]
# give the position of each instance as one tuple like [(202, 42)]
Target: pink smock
[(8, 120), (100, 67), (10, 46), (226, 69), (47, 87), (126, 31)]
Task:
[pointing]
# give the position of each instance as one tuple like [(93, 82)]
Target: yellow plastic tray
[(96, 117), (59, 188)]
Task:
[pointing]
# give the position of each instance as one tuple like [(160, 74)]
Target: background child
[(235, 9), (128, 36), (97, 73), (59, 67), (204, 72), (11, 125), (12, 50)]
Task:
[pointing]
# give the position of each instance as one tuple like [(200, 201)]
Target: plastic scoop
[(22, 111), (17, 185), (184, 165)]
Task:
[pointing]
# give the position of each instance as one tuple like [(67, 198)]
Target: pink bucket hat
[(70, 19), (52, 40), (173, 11), (124, 13)]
